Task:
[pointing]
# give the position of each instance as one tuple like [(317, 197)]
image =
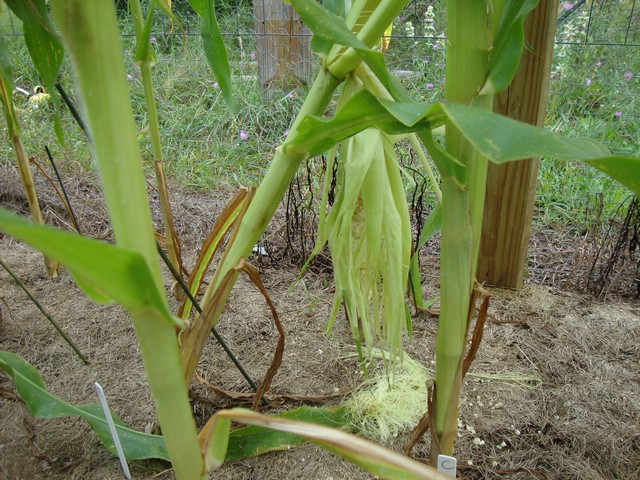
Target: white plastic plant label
[(447, 465)]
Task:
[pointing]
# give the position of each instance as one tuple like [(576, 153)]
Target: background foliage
[(594, 93)]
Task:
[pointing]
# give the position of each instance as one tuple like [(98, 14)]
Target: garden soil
[(554, 392)]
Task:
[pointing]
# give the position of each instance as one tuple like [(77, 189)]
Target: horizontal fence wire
[(601, 29)]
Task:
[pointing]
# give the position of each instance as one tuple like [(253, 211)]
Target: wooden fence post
[(282, 45), (511, 188)]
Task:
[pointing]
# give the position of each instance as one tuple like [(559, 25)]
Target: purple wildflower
[(588, 82), (567, 6), (215, 85), (253, 55), (429, 86), (628, 75), (153, 40), (618, 114), (244, 135)]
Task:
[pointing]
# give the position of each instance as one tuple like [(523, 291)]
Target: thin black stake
[(64, 191), (41, 308), (72, 109), (195, 303)]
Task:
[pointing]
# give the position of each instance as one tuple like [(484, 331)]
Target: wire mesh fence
[(282, 45), (594, 89), (594, 85)]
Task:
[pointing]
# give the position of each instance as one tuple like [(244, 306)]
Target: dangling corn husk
[(369, 237)]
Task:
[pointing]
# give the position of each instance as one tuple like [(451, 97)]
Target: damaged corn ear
[(369, 237)]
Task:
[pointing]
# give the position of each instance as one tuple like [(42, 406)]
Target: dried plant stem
[(23, 167)]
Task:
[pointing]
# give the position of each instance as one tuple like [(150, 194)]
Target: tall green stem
[(469, 40), (90, 32), (281, 171), (376, 22), (278, 177), (154, 132)]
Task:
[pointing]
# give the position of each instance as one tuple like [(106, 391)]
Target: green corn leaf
[(448, 166), (42, 404), (499, 138), (315, 135), (411, 113), (255, 440), (243, 442), (214, 47), (216, 439), (502, 139), (431, 226), (508, 45), (326, 24), (44, 45), (336, 7), (371, 457), (105, 272), (625, 170), (6, 84), (144, 50)]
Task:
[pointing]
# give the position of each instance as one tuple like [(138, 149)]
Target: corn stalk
[(470, 38), (372, 18), (90, 32), (145, 58)]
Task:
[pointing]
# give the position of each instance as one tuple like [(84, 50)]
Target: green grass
[(594, 93), (204, 146), (202, 139), (589, 96)]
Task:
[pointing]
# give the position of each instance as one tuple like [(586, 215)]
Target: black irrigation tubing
[(64, 191), (44, 312), (72, 109), (195, 303)]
